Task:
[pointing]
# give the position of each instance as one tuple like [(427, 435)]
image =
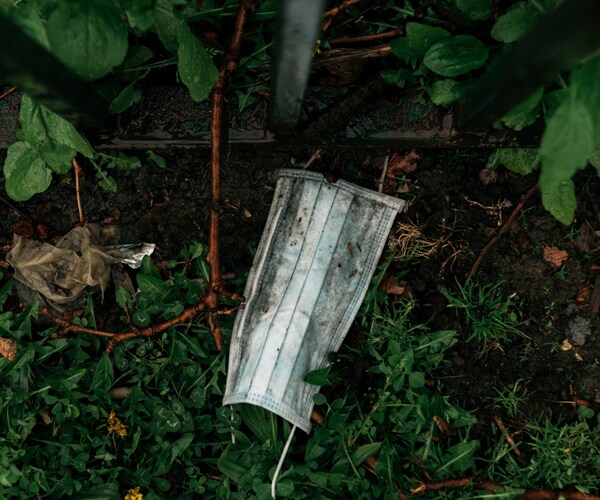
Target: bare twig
[(343, 6), (509, 438), (77, 169), (14, 209), (345, 40), (503, 230), (216, 133), (384, 172), (9, 91)]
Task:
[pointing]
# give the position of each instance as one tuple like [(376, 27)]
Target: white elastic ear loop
[(281, 460)]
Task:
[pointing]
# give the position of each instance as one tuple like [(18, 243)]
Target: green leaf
[(126, 98), (566, 145), (195, 65), (524, 113), (40, 125), (58, 156), (137, 56), (257, 419), (422, 36), (459, 458), (103, 375), (517, 21), (445, 92), (179, 446), (148, 267), (476, 10), (560, 201), (586, 91), (25, 172), (90, 37), (158, 160), (153, 287), (123, 298), (399, 77), (402, 50), (318, 377), (519, 160), (416, 380), (120, 161), (140, 13), (456, 56), (167, 25), (553, 100), (363, 452), (28, 19)]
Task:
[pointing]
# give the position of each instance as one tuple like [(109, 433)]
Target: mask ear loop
[(281, 460)]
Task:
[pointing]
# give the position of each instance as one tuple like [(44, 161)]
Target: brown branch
[(509, 438), (217, 102), (9, 91), (503, 230), (14, 209), (343, 6), (366, 38), (77, 169), (67, 327)]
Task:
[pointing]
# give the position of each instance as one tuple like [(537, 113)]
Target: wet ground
[(453, 200)]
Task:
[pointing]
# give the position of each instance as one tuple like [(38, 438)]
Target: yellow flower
[(115, 425), (134, 494)]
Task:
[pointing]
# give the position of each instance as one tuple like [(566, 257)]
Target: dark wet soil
[(447, 199)]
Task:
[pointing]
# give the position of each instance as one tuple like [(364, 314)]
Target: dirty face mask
[(314, 263)]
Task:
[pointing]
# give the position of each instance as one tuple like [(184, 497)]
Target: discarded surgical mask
[(60, 274), (312, 269)]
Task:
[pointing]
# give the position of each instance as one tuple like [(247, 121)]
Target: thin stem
[(9, 91), (77, 169)]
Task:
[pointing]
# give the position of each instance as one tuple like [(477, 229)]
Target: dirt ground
[(451, 199)]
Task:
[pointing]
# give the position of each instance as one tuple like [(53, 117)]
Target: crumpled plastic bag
[(60, 274)]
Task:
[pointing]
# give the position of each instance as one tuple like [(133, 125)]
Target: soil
[(448, 193)]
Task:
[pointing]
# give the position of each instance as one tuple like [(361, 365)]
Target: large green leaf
[(57, 156), (39, 125), (560, 201), (25, 172), (421, 36), (445, 92), (567, 143), (167, 25), (196, 68), (517, 21), (519, 160), (586, 91), (90, 37), (140, 13), (456, 56), (524, 113)]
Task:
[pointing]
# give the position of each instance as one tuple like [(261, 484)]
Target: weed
[(511, 398), (489, 318), (561, 274)]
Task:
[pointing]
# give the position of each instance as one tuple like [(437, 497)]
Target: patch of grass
[(489, 318), (512, 398)]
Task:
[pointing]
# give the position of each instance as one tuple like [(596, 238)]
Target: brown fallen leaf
[(402, 164), (555, 256), (8, 348), (587, 240), (392, 287)]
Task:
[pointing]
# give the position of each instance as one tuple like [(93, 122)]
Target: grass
[(489, 318), (168, 434)]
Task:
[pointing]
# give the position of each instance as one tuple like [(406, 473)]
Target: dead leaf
[(566, 345), (488, 176), (392, 287), (587, 240), (555, 256), (8, 348), (400, 165)]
